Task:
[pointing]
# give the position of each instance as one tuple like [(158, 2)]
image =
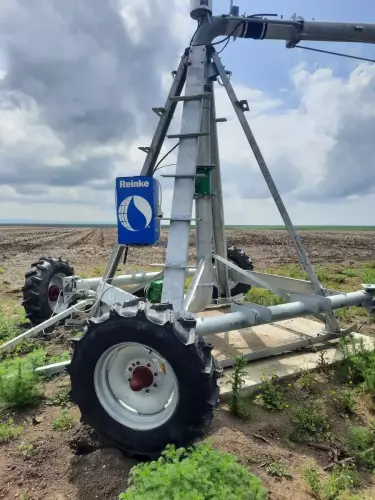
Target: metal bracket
[(159, 111), (244, 105), (145, 149)]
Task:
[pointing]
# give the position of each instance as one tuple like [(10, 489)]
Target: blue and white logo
[(137, 203), (135, 213)]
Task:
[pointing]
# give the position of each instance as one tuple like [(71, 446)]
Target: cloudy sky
[(78, 80)]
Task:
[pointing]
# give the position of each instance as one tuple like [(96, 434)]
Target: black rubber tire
[(238, 257), (35, 291), (190, 358)]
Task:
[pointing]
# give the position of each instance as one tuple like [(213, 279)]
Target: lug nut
[(130, 369), (155, 374), (155, 385), (147, 390), (148, 365), (138, 363)]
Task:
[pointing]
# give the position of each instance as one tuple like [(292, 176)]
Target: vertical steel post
[(331, 321), (184, 184), (220, 241)]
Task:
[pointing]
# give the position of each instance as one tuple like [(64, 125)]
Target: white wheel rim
[(58, 305), (144, 409)]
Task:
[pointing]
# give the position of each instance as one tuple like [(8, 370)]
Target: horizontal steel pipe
[(237, 320), (294, 30), (131, 279)]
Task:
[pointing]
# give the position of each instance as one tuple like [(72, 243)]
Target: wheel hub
[(141, 378), (53, 293)]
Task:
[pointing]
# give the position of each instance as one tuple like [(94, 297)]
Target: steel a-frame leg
[(332, 324), (166, 115)]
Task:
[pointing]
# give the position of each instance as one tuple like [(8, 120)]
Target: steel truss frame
[(199, 69)]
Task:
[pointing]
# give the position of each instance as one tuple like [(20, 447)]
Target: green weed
[(277, 469), (19, 383), (271, 396), (307, 380), (197, 473), (358, 364), (9, 431), (345, 401), (2, 270), (369, 276), (336, 486), (309, 423), (360, 443), (64, 422), (27, 450), (61, 398), (237, 405), (263, 297)]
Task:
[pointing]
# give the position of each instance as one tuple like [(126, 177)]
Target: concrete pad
[(257, 338), (284, 366)]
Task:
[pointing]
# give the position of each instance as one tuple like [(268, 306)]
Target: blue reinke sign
[(137, 200)]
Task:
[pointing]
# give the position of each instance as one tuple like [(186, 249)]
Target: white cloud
[(319, 150)]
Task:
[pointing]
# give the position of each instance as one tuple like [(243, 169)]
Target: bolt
[(138, 363), (133, 364), (148, 365), (130, 369), (155, 385), (155, 374), (147, 390)]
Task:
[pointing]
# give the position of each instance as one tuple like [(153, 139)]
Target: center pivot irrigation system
[(142, 373)]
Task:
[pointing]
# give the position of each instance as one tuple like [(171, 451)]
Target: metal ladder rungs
[(207, 166), (221, 120), (183, 176), (180, 219), (192, 135), (191, 97)]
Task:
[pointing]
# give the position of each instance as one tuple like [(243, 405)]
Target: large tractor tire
[(241, 260), (144, 381), (42, 292)]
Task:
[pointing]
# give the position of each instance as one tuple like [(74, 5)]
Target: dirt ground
[(72, 465)]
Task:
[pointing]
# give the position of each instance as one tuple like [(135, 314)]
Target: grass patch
[(199, 472), (338, 486), (263, 297), (345, 401), (64, 422), (309, 423), (10, 321), (27, 450), (9, 431), (2, 270), (360, 443), (277, 469), (272, 396)]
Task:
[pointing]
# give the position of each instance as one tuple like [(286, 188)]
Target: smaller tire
[(238, 257), (42, 292)]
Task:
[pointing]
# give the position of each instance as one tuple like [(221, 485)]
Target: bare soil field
[(86, 248), (45, 463)]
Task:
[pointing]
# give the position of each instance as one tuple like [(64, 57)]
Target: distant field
[(247, 228), (305, 228)]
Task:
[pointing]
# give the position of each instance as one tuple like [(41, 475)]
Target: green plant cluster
[(64, 422), (358, 364), (339, 486), (309, 423), (9, 431), (271, 397), (19, 383), (198, 473), (360, 443)]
